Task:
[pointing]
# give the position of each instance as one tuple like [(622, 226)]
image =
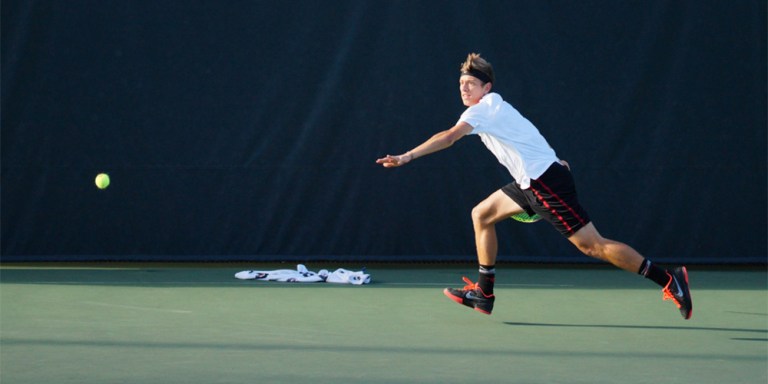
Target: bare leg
[(591, 243), (496, 207)]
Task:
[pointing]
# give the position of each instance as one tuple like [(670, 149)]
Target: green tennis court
[(176, 323)]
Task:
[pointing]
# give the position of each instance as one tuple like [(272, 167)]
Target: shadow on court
[(642, 327)]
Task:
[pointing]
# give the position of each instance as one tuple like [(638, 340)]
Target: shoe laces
[(667, 292), (470, 285)]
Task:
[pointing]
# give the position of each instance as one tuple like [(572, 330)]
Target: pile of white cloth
[(302, 275)]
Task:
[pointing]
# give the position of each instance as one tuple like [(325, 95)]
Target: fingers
[(389, 161)]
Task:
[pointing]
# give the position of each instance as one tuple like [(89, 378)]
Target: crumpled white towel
[(343, 276), (298, 275), (302, 275)]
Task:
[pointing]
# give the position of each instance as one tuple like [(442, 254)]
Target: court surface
[(176, 323)]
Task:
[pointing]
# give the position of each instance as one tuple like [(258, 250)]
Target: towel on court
[(343, 276), (302, 275), (298, 275)]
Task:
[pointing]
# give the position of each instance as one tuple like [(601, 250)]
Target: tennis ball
[(102, 180)]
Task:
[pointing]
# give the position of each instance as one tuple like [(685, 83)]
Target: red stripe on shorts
[(554, 211), (562, 220)]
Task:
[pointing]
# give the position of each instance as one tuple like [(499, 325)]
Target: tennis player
[(541, 185)]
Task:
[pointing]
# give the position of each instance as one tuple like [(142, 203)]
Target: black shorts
[(553, 197)]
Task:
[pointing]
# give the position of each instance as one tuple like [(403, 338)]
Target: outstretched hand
[(395, 161)]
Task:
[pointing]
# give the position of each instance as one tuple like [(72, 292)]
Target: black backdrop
[(248, 130)]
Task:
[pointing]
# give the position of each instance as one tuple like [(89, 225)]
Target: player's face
[(472, 89)]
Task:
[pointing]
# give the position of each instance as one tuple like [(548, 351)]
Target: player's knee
[(592, 249), (481, 216)]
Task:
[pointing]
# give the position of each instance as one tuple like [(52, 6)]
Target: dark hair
[(478, 67)]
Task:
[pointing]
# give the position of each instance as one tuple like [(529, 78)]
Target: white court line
[(136, 308), (496, 285), (241, 283)]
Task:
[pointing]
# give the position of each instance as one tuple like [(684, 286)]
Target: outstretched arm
[(438, 142)]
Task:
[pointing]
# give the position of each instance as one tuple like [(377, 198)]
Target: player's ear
[(487, 87)]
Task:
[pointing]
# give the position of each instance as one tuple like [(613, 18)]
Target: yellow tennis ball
[(102, 180)]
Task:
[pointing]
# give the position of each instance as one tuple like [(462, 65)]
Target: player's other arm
[(437, 142)]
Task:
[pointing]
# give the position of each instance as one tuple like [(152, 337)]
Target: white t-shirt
[(515, 142)]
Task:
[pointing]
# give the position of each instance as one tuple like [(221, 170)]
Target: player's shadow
[(653, 327)]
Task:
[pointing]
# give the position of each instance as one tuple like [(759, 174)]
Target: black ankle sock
[(654, 273), (486, 278)]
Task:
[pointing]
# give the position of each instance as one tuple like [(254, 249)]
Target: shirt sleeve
[(476, 116)]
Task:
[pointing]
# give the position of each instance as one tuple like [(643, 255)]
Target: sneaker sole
[(687, 292)]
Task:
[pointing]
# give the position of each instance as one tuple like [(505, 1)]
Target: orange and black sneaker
[(471, 296), (677, 290)]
